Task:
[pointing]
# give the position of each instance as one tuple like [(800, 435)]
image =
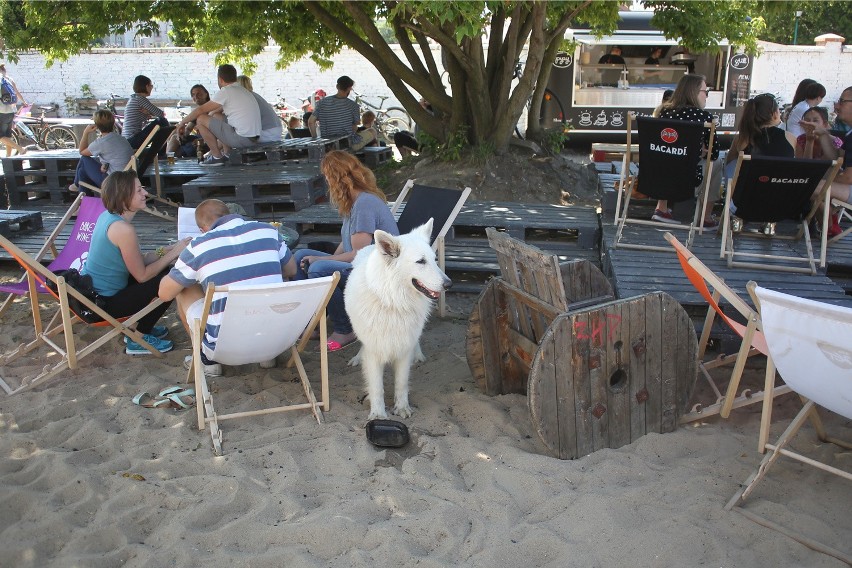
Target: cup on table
[(170, 158)]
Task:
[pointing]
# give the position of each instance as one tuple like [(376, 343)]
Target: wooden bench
[(292, 149), (597, 373)]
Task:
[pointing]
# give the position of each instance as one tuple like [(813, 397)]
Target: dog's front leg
[(373, 375), (402, 369)]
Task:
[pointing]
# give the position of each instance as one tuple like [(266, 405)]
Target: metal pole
[(796, 27)]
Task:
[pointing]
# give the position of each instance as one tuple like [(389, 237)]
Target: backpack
[(7, 93)]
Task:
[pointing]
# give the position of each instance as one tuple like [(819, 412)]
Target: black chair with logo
[(767, 189), (669, 154)]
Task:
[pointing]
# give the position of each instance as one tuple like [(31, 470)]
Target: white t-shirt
[(240, 106), (796, 115)]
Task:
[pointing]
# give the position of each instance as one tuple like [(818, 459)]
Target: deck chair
[(142, 159), (73, 254), (258, 324), (440, 204), (669, 155), (769, 189), (808, 341), (713, 289), (63, 323)]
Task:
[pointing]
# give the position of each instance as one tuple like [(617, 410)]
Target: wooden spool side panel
[(637, 352), (482, 343), (543, 402), (616, 331), (654, 336), (583, 280)]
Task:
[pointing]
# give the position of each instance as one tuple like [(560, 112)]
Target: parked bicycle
[(285, 110), (389, 120), (40, 133)]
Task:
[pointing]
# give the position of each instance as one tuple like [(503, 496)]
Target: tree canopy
[(481, 43), (817, 18)]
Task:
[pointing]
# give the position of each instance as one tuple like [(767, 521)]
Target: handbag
[(83, 284)]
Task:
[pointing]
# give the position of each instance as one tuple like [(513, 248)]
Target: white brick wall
[(175, 70), (779, 68)]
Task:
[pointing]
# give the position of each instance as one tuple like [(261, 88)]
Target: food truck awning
[(649, 39)]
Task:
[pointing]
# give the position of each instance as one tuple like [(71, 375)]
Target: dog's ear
[(387, 243), (425, 230)]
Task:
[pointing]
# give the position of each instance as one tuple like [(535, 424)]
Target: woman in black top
[(687, 103), (759, 134)]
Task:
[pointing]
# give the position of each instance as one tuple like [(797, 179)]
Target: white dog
[(389, 294)]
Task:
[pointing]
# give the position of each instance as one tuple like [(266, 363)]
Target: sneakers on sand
[(161, 345), (212, 370)]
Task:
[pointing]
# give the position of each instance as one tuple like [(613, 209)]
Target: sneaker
[(73, 188), (711, 223), (664, 217), (158, 331), (267, 364), (212, 370), (736, 224), (212, 161), (161, 345), (768, 229)]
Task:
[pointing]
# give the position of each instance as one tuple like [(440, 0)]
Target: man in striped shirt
[(339, 115), (139, 111), (230, 251)]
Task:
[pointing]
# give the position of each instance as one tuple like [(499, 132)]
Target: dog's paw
[(375, 414), (356, 360), (404, 412), (419, 357)]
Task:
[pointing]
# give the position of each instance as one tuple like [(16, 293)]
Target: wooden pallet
[(260, 189), (292, 149), (43, 174), (19, 222), (374, 156)]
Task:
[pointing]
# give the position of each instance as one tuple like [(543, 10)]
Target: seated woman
[(127, 279), (687, 103), (111, 152), (823, 145), (759, 133), (363, 207)]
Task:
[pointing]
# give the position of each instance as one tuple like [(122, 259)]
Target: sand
[(89, 479)]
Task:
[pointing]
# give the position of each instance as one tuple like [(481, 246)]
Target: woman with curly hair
[(364, 209)]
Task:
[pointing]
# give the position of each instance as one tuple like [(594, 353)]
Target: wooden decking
[(570, 232)]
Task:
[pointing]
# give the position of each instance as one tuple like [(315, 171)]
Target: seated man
[(139, 111), (185, 145), (230, 251), (239, 128), (842, 187), (338, 115), (109, 153), (406, 141)]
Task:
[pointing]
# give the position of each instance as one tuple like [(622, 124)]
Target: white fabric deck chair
[(753, 343), (145, 156), (769, 189), (669, 155), (72, 304), (441, 205), (809, 344), (73, 253), (258, 324)]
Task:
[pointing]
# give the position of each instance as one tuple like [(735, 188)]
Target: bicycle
[(388, 121), (43, 134), (285, 110)]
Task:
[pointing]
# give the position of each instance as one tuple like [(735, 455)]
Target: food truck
[(596, 97)]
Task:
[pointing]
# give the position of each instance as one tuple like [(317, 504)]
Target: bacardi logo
[(669, 135), (763, 179)]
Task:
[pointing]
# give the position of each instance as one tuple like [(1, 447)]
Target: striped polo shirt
[(137, 113), (337, 116), (234, 252)]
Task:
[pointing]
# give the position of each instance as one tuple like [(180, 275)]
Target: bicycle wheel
[(59, 137), (402, 118), (391, 126)]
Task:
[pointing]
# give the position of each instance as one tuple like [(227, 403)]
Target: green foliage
[(481, 152), (86, 91), (817, 18), (702, 25), (554, 139)]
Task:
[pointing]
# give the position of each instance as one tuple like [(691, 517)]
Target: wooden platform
[(19, 222), (43, 174), (292, 149)]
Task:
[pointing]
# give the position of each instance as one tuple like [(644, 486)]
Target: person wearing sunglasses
[(687, 103), (840, 189)]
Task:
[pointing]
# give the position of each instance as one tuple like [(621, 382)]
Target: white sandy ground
[(471, 489)]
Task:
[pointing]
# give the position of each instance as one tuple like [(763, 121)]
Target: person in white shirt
[(813, 93), (243, 126)]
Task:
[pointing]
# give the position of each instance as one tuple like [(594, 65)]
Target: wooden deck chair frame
[(835, 361), (49, 246), (133, 164), (793, 165), (845, 208), (439, 231), (631, 183), (206, 413), (62, 323), (704, 280)]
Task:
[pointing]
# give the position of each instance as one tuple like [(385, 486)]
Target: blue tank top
[(105, 264)]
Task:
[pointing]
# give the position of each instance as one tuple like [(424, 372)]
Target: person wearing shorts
[(234, 122)]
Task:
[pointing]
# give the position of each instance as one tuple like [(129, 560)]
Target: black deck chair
[(768, 190), (437, 203), (669, 155)]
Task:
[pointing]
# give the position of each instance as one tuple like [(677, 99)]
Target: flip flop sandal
[(181, 401), (176, 389), (335, 346), (145, 400)]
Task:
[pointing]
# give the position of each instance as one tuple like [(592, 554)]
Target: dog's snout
[(447, 283)]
